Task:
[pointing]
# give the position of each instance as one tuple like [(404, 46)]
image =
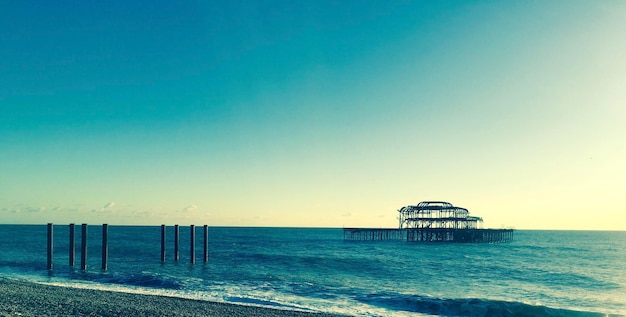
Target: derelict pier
[(432, 221)]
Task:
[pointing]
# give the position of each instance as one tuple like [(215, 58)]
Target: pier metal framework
[(433, 221), (436, 215)]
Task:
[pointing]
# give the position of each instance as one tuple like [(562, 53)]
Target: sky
[(313, 113)]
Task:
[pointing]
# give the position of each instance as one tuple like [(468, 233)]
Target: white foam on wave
[(240, 295)]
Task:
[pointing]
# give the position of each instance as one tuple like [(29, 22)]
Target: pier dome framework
[(437, 214)]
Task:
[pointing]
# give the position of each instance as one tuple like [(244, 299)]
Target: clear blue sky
[(313, 113)]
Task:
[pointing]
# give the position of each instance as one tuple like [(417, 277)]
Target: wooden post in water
[(105, 246), (72, 245), (175, 242), (83, 248), (50, 245), (162, 243), (206, 244), (192, 243)]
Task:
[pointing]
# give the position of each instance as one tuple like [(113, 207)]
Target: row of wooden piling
[(105, 245), (429, 235), (83, 248), (459, 235), (373, 234), (192, 243)]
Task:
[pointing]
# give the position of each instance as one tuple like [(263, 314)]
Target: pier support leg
[(72, 254), (83, 248), (206, 244), (50, 245), (105, 246), (162, 243), (175, 242), (192, 243)]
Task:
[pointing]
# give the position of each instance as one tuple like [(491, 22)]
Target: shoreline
[(21, 298)]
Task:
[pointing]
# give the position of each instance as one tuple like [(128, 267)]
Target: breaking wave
[(474, 307)]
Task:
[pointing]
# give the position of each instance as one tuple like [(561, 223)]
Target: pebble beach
[(20, 298)]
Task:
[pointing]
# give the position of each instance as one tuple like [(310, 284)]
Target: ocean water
[(539, 273)]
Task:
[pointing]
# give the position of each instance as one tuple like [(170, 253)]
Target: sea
[(539, 273)]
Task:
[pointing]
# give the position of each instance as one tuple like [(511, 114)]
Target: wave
[(249, 301), (377, 304), (34, 272), (143, 280), (474, 307), (150, 280)]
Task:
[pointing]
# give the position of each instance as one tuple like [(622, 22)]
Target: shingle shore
[(26, 299)]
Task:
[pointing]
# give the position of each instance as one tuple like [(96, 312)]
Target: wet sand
[(19, 298)]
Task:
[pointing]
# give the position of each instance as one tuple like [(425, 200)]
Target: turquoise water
[(552, 273)]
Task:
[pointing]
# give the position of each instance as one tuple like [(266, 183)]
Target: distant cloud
[(108, 207), (347, 214), (35, 209), (16, 209), (24, 208), (190, 208)]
